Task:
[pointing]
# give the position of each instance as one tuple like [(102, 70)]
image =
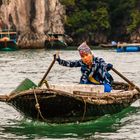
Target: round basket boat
[(60, 106)]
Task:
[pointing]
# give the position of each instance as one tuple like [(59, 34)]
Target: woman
[(94, 70)]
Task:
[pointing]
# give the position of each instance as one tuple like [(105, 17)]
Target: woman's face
[(87, 58)]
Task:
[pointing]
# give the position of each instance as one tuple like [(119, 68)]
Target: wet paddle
[(128, 81), (45, 75)]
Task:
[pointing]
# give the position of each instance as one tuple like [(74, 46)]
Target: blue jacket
[(99, 70)]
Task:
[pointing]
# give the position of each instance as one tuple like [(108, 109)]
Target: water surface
[(18, 65)]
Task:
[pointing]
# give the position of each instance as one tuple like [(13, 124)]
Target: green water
[(32, 64), (34, 129)]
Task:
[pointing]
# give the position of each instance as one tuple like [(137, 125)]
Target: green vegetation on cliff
[(116, 19)]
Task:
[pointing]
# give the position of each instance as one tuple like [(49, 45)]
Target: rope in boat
[(37, 106), (47, 85)]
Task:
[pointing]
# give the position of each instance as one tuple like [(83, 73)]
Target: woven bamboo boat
[(59, 106)]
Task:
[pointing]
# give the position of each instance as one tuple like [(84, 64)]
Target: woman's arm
[(103, 70), (76, 63), (105, 66), (84, 77), (101, 66)]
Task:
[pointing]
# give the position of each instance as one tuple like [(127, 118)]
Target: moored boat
[(8, 41), (108, 46), (54, 105), (111, 45), (125, 47), (55, 41)]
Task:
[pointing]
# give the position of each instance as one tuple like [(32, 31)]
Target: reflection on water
[(16, 66)]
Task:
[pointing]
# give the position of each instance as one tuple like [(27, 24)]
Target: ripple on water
[(18, 65)]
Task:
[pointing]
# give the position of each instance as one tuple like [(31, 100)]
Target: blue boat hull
[(128, 49)]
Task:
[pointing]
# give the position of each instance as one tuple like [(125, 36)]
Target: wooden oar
[(128, 81), (45, 75)]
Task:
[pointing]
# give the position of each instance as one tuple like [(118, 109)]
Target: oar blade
[(25, 85)]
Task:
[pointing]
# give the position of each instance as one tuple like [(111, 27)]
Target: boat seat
[(78, 87)]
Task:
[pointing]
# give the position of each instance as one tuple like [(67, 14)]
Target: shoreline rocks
[(31, 40)]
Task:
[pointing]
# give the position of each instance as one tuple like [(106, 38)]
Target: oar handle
[(128, 81), (45, 75)]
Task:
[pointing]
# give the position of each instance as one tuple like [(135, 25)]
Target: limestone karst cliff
[(81, 20), (32, 19)]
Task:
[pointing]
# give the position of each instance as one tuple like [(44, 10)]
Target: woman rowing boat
[(94, 70)]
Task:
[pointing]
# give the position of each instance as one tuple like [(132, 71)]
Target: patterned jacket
[(99, 70)]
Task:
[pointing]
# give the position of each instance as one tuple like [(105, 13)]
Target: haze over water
[(32, 64)]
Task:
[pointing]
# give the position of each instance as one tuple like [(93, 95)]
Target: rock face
[(32, 19), (135, 36)]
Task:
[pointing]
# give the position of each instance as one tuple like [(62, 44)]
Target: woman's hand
[(109, 66), (56, 56)]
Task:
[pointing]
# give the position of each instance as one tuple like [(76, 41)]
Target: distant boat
[(8, 41), (132, 47), (108, 46), (55, 41), (111, 45)]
